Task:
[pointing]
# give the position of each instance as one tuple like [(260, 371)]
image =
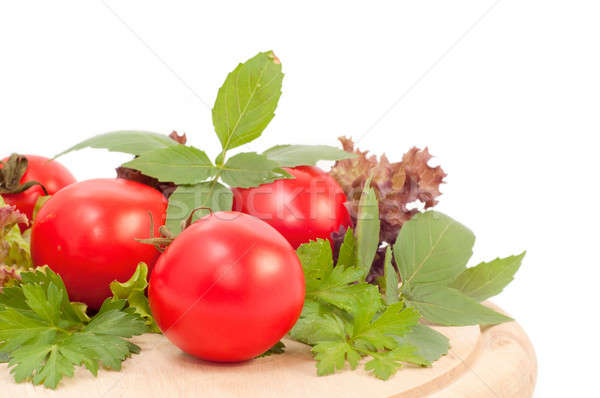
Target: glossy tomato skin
[(308, 207), (87, 234), (227, 289), (51, 174)]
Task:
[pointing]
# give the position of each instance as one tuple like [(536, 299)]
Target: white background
[(505, 93)]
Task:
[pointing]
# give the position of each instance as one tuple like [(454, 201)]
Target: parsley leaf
[(134, 293), (373, 338), (345, 318), (278, 348), (44, 336)]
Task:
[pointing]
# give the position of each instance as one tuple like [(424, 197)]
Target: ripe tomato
[(51, 174), (87, 234), (308, 207), (228, 288)]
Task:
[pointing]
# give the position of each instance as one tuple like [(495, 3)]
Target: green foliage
[(133, 142), (390, 279), (367, 228), (186, 198), (44, 337), (488, 279), (247, 100), (133, 292), (245, 105), (178, 164), (249, 169), (431, 251), (304, 155), (345, 319), (278, 348)]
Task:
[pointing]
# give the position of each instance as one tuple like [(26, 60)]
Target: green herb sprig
[(346, 319), (44, 336), (245, 105)]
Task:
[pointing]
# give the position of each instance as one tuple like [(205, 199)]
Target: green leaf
[(432, 248), (431, 345), (133, 291), (347, 254), (367, 228), (249, 169), (44, 336), (488, 279), (278, 348), (137, 282), (116, 323), (385, 365), (305, 155), (336, 286), (39, 203), (316, 258), (318, 323), (390, 279), (187, 198), (133, 142), (332, 355), (178, 164), (449, 307), (247, 100), (378, 334)]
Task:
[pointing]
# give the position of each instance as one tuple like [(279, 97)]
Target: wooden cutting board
[(494, 362)]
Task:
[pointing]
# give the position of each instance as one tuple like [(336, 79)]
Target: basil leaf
[(488, 279), (367, 229), (186, 198), (446, 306), (432, 248), (178, 164), (305, 155), (249, 169), (133, 142), (247, 100)]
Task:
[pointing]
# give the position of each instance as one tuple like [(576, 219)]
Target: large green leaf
[(446, 306), (305, 155), (178, 164), (432, 248), (367, 229), (133, 142), (187, 198), (249, 169), (488, 279), (247, 100)]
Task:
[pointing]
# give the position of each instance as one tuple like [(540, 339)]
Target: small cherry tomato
[(305, 208), (228, 288), (87, 234), (49, 173)]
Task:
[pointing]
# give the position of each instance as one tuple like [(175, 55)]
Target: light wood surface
[(493, 362)]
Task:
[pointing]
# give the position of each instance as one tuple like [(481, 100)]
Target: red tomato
[(51, 174), (87, 234), (305, 208), (228, 288)]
